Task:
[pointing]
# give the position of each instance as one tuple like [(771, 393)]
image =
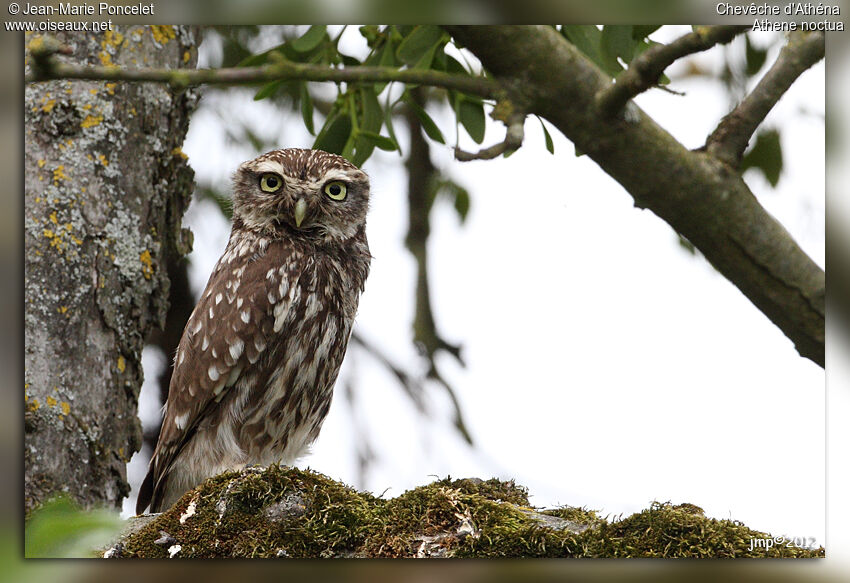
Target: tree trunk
[(106, 188)]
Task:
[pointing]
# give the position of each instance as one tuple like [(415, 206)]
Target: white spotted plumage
[(255, 369)]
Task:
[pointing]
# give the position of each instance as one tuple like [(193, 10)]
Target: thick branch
[(699, 196), (732, 135), (645, 70), (46, 67)]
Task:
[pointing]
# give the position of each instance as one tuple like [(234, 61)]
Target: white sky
[(606, 367)]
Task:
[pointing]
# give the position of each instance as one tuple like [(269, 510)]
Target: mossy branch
[(730, 139), (645, 70), (47, 67)]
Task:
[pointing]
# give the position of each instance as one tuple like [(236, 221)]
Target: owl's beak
[(300, 211)]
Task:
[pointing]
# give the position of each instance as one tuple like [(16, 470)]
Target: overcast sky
[(605, 366)]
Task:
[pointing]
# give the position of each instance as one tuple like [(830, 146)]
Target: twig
[(513, 140), (46, 67), (645, 70), (412, 386), (729, 140)]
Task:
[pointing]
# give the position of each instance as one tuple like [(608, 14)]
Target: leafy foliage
[(612, 47), (59, 528), (765, 156)]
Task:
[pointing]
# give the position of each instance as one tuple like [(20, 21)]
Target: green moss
[(491, 489), (575, 514), (664, 530), (287, 512)]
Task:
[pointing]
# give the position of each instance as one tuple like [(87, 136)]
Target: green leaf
[(388, 121), (388, 54), (616, 41), (267, 90), (416, 45), (307, 108), (588, 39), (358, 150), (641, 31), (335, 134), (550, 145), (310, 39), (383, 142), (60, 529), (766, 156), (431, 129), (259, 59), (373, 115), (755, 57), (471, 116), (462, 203), (455, 67)]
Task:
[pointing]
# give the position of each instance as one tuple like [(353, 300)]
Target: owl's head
[(313, 193)]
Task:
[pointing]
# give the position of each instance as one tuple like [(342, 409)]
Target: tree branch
[(46, 66), (729, 140), (513, 140), (645, 70), (697, 195)]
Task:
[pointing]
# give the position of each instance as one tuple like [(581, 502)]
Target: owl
[(255, 369)]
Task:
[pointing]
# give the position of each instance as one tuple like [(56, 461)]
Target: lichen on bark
[(106, 186)]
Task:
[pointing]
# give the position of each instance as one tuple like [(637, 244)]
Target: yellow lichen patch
[(36, 44), (147, 263), (41, 163), (53, 218), (48, 106), (87, 106), (91, 121), (66, 407), (62, 309), (110, 88), (179, 152), (55, 239), (111, 40), (59, 174), (162, 33), (33, 405), (122, 366), (103, 159), (186, 56), (93, 91), (51, 401)]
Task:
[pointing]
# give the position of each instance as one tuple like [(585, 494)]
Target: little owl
[(255, 368)]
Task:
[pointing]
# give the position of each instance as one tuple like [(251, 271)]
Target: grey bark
[(702, 197), (106, 188)]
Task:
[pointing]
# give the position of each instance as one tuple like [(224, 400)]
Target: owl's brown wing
[(245, 303)]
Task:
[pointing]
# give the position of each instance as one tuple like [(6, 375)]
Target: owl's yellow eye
[(270, 182), (336, 190)]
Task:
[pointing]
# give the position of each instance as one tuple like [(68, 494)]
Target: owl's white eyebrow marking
[(267, 166)]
